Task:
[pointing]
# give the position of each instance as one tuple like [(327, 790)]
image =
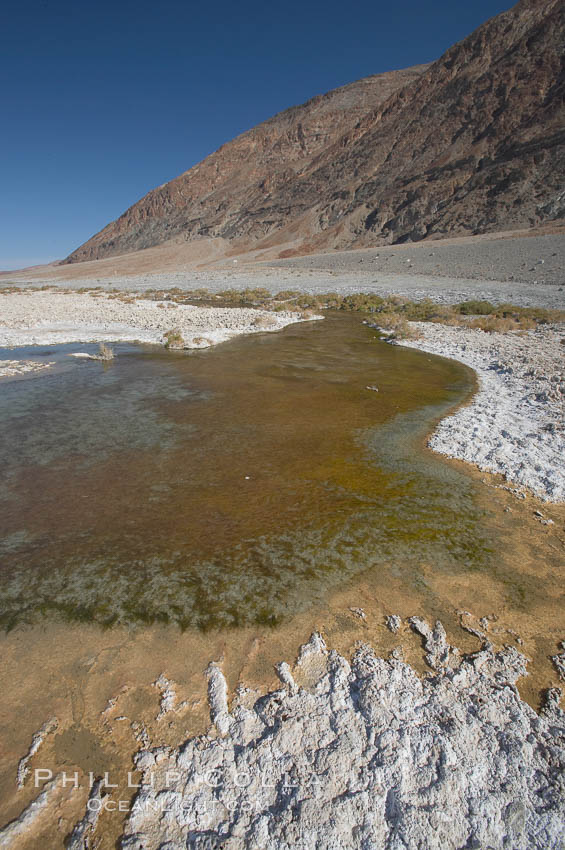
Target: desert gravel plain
[(523, 269)]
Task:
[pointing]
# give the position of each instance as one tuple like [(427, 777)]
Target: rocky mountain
[(210, 198), (473, 143)]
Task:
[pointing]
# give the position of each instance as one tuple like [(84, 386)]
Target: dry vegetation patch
[(393, 313), (173, 339)]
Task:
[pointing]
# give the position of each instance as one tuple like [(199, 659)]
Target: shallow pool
[(228, 486)]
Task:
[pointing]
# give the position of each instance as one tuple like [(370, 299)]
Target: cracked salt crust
[(515, 424)]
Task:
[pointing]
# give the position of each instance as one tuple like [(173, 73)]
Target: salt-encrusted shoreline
[(515, 423), (10, 368), (362, 755), (48, 318)]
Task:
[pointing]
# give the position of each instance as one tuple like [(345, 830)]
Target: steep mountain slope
[(473, 143), (211, 196), (477, 143)]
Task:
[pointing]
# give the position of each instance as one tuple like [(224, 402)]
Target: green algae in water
[(231, 486)]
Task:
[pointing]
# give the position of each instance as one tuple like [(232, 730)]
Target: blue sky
[(101, 102)]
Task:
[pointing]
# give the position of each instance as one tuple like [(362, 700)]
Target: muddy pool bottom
[(230, 486)]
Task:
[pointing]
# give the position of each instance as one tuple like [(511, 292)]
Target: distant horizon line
[(15, 264)]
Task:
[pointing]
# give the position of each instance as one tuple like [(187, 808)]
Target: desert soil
[(497, 267)]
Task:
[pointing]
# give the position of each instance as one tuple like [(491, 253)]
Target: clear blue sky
[(102, 101)]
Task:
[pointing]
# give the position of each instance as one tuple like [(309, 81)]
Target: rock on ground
[(364, 755)]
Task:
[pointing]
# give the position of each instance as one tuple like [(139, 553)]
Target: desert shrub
[(494, 324), (450, 319), (173, 339), (308, 302), (362, 302), (264, 322), (245, 296), (422, 311), (444, 314), (538, 315), (331, 300), (285, 294), (259, 294), (398, 325), (475, 308), (507, 317), (9, 289), (105, 352), (526, 323), (229, 295)]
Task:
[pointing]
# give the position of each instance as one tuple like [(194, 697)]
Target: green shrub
[(475, 308), (362, 302)]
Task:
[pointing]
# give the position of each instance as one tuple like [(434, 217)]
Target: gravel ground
[(416, 287), (497, 270), (535, 260)]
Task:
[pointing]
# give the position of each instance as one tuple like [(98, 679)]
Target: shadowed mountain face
[(473, 143)]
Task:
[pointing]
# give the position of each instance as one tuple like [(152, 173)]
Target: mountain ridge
[(472, 143)]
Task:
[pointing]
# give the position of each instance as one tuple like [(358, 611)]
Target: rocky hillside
[(473, 143), (210, 198)]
